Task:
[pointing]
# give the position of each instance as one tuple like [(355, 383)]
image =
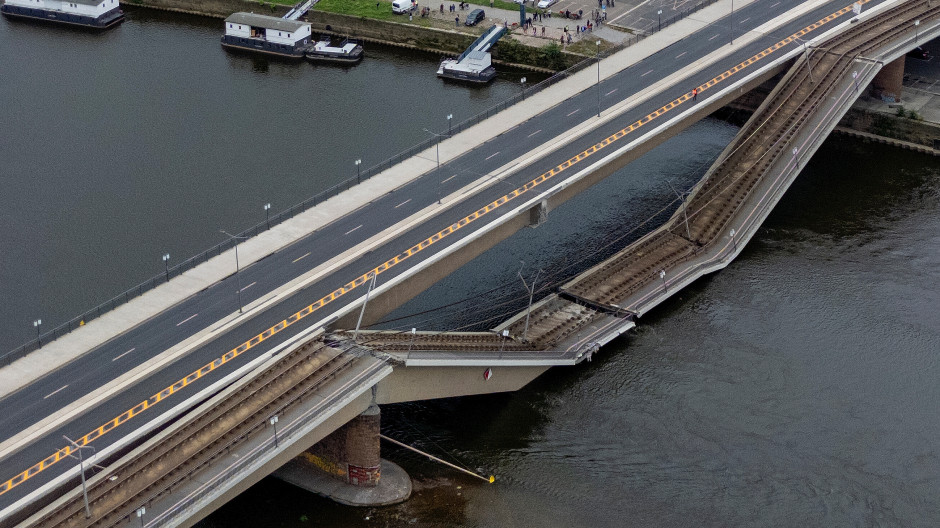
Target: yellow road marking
[(401, 257)]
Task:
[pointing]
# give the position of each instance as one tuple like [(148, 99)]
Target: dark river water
[(797, 387)]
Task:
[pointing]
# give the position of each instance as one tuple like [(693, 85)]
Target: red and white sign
[(487, 374)]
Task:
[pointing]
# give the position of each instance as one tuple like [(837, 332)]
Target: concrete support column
[(352, 452), (345, 466), (887, 83)]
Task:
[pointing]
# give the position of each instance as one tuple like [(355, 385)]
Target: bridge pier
[(346, 466), (888, 82)]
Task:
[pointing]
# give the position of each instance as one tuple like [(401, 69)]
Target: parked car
[(476, 16), (918, 53), (546, 3)]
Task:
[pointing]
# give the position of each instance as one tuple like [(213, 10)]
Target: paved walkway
[(625, 19)]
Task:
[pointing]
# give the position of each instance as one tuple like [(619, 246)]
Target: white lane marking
[(713, 37), (775, 5), (403, 203), (681, 54), (573, 113), (610, 92), (647, 73), (745, 20), (353, 229), (55, 391), (305, 255), (249, 286), (124, 354), (187, 319), (536, 132), (491, 155), (448, 179)]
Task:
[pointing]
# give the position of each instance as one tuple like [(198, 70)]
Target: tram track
[(155, 473), (762, 143)]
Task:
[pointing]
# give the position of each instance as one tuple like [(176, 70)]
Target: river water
[(796, 387)]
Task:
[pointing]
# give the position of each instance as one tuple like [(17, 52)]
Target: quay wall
[(859, 122), (432, 40), (893, 130)]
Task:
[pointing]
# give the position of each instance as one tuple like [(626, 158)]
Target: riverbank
[(419, 33), (913, 124)]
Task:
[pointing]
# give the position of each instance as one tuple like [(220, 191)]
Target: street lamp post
[(166, 265), (364, 304), (414, 331), (140, 514), (274, 423), (731, 22), (531, 292), (685, 211), (358, 162), (916, 24), (854, 78), (597, 57), (37, 323), (522, 82), (81, 465), (238, 279), (808, 63), (734, 242), (662, 275), (449, 117), (437, 153), (267, 215), (660, 15)]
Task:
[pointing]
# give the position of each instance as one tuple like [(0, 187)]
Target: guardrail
[(192, 262)]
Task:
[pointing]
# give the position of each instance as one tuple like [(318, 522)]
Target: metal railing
[(322, 196)]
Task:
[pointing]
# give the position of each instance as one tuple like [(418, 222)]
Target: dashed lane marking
[(647, 73), (573, 113), (305, 255), (55, 391), (681, 54), (249, 286), (187, 319), (536, 132), (610, 92), (491, 155), (403, 203), (448, 179), (745, 20), (124, 354), (353, 229), (405, 255), (713, 37)]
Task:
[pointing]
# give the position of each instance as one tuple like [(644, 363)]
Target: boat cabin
[(472, 66), (267, 34), (97, 14)]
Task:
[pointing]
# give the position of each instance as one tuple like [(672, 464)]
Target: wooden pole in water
[(434, 458)]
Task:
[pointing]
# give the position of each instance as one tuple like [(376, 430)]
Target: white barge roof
[(266, 22)]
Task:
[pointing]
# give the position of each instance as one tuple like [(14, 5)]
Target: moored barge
[(348, 51), (95, 14), (267, 34)]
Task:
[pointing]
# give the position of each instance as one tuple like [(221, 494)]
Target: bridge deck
[(739, 190)]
